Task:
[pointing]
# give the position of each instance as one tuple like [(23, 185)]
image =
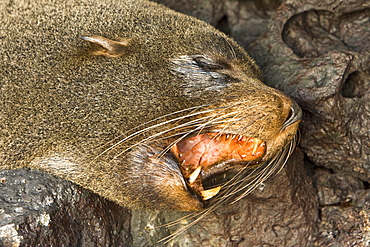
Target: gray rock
[(37, 209), (306, 53)]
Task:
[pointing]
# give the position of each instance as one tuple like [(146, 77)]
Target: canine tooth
[(194, 175), (208, 194), (240, 138), (255, 146), (227, 136)]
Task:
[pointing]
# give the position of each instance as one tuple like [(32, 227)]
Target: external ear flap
[(202, 73), (111, 48)]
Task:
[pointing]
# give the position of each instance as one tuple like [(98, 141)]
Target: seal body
[(108, 111)]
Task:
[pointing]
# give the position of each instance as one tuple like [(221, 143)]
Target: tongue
[(200, 152)]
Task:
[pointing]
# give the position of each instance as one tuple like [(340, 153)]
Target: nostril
[(295, 115)]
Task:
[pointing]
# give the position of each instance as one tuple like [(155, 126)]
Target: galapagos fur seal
[(117, 110)]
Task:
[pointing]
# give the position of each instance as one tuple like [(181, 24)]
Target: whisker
[(221, 116), (154, 120), (231, 49), (247, 184), (212, 122), (184, 134), (199, 216), (256, 175), (148, 139), (133, 135), (272, 167), (178, 221), (147, 129)]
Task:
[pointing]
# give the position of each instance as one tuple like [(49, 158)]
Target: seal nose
[(294, 116)]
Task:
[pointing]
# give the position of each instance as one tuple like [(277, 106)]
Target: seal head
[(151, 109)]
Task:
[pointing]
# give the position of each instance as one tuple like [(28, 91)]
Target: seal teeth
[(208, 194), (256, 142), (194, 175)]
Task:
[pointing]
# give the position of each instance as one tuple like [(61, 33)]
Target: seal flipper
[(111, 48)]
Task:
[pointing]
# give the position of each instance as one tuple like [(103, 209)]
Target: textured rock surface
[(345, 226), (308, 53), (37, 209), (345, 209)]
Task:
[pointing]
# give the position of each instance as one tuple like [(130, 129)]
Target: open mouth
[(202, 156)]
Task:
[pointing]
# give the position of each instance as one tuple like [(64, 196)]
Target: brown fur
[(66, 103)]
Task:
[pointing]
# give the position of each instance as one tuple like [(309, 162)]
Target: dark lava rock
[(336, 188), (345, 224), (318, 53), (37, 209), (345, 210)]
